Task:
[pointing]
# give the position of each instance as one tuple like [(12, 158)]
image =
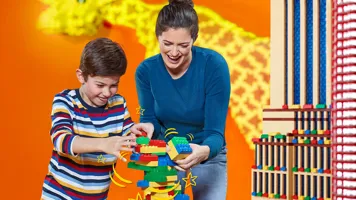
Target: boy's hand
[(113, 145), (146, 127)]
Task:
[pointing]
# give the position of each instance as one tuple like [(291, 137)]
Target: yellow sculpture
[(246, 54)]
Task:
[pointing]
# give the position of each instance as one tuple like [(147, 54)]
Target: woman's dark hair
[(178, 14)]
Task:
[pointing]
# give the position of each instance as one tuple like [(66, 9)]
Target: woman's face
[(175, 46)]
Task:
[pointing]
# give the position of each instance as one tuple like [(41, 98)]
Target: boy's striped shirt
[(82, 176)]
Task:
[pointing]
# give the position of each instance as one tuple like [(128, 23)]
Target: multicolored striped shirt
[(82, 176)]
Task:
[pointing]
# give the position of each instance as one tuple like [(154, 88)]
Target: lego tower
[(293, 154), (344, 100)]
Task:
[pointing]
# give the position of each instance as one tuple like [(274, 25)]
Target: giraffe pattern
[(246, 54)]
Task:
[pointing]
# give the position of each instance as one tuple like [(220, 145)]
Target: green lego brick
[(320, 106), (314, 132), (307, 170), (264, 136), (133, 165), (259, 194), (294, 169), (271, 168), (155, 178), (143, 140), (307, 141), (280, 136), (179, 140), (307, 198), (159, 154), (277, 196)]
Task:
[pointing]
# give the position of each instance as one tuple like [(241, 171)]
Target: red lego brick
[(314, 141), (327, 132), (254, 167), (256, 140), (308, 106), (148, 157), (265, 194), (158, 143), (138, 148), (171, 193), (327, 171), (295, 197), (301, 169), (283, 196), (148, 197), (320, 198), (285, 106), (295, 132), (143, 134), (278, 168)]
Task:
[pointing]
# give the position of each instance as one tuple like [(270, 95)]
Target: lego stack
[(160, 178)]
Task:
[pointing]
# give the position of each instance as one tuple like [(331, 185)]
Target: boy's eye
[(100, 85)]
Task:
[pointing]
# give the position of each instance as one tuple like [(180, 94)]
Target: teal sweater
[(195, 105)]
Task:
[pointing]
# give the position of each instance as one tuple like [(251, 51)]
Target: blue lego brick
[(143, 184), (314, 198), (321, 170), (307, 132), (321, 141), (295, 141), (284, 169), (254, 194), (181, 197), (183, 149), (165, 161), (135, 157), (162, 161), (259, 167)]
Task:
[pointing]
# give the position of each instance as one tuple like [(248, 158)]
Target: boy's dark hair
[(178, 14), (103, 57)]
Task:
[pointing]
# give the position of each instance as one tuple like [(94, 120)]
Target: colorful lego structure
[(308, 146), (343, 92), (160, 178)]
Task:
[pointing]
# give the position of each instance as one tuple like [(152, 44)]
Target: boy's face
[(97, 90)]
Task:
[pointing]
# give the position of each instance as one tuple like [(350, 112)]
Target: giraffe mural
[(246, 54)]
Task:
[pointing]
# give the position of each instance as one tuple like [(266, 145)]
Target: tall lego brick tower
[(293, 154), (344, 100)]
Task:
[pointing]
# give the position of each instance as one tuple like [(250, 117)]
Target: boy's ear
[(80, 76)]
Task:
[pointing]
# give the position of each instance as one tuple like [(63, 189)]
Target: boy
[(90, 126)]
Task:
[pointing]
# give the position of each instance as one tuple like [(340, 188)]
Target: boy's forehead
[(105, 79)]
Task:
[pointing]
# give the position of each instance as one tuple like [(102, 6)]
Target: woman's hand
[(146, 127), (199, 154)]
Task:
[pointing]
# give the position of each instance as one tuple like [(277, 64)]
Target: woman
[(186, 88)]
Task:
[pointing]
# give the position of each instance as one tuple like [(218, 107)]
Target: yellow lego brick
[(301, 198), (160, 195), (181, 156), (172, 178), (294, 106), (152, 149), (327, 141), (149, 163), (265, 167), (271, 196), (320, 131), (300, 131), (314, 170), (172, 151), (301, 141), (327, 199), (161, 184)]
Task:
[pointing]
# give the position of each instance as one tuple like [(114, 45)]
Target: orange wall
[(35, 66)]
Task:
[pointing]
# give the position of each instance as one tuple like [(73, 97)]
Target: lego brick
[(147, 163), (181, 197), (152, 149), (142, 140), (133, 165), (179, 140), (157, 143), (148, 157)]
